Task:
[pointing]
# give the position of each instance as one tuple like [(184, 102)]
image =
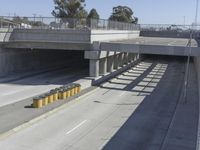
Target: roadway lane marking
[(122, 94), (173, 42), (80, 124)]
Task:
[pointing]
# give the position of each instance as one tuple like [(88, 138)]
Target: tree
[(93, 14), (92, 18), (69, 9), (123, 14)]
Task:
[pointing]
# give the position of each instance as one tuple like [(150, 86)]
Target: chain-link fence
[(64, 23), (169, 27)]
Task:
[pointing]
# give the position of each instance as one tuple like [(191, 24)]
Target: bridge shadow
[(55, 76), (159, 85)]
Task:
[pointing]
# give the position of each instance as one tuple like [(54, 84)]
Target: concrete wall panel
[(112, 35), (23, 60), (50, 35)]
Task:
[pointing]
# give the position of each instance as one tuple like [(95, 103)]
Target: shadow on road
[(161, 85)]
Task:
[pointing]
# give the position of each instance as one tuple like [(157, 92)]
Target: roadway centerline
[(79, 125)]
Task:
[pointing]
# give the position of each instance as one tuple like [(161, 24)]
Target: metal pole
[(187, 68), (196, 15)]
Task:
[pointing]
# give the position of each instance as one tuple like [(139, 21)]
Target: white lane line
[(122, 94), (80, 124), (170, 43)]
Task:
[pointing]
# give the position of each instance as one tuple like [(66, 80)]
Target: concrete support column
[(94, 67), (133, 57), (125, 58), (116, 61), (120, 59), (103, 66), (130, 57), (110, 64)]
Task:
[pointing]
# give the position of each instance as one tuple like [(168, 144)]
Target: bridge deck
[(152, 45), (159, 41)]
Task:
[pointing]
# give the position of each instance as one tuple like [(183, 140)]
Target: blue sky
[(148, 11)]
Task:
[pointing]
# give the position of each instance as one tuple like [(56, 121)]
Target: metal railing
[(169, 27), (64, 23)]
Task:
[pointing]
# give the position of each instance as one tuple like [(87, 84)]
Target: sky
[(148, 11)]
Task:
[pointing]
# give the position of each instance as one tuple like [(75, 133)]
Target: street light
[(196, 15)]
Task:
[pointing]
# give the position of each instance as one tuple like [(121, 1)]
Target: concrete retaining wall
[(112, 35), (23, 60), (3, 32), (166, 34), (50, 35), (71, 35)]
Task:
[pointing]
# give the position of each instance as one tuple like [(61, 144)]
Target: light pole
[(196, 15)]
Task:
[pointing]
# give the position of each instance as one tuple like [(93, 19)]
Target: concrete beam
[(150, 49), (46, 45)]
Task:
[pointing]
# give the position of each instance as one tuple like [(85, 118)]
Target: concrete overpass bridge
[(145, 101), (104, 48)]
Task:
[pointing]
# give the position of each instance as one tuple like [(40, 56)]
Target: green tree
[(123, 14), (93, 14), (69, 9), (93, 18)]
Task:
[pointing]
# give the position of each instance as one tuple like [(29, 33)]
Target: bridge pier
[(105, 63), (110, 64), (103, 66), (94, 68), (116, 62)]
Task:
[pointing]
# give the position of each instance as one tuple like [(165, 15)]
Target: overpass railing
[(64, 23), (169, 27)]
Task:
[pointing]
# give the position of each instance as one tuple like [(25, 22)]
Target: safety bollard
[(60, 94), (56, 94), (50, 98), (78, 88), (53, 92), (64, 94), (75, 88), (44, 100), (67, 91), (71, 90), (37, 102)]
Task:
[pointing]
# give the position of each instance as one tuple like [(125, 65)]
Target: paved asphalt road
[(24, 88), (134, 111)]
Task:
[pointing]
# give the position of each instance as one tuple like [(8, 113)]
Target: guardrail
[(64, 23)]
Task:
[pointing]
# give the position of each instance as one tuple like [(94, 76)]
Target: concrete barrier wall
[(113, 35), (167, 34), (71, 35), (50, 35), (23, 60), (3, 32)]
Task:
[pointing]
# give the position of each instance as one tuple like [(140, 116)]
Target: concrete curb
[(45, 115)]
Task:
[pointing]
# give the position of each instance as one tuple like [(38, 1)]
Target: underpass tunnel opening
[(39, 61)]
